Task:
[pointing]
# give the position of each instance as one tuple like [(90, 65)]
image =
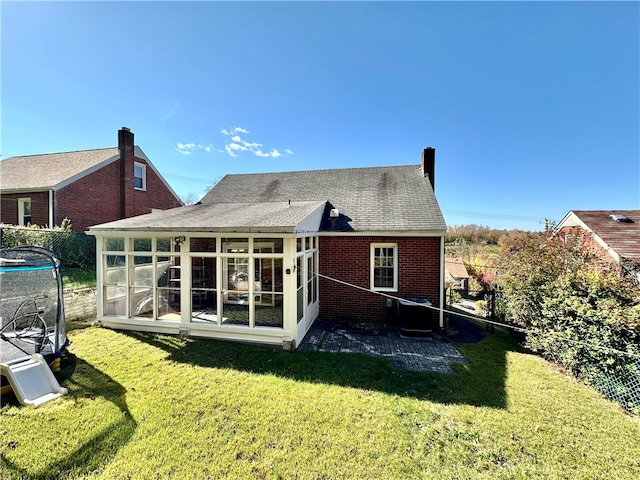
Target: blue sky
[(533, 107)]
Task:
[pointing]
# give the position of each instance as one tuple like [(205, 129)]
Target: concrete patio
[(432, 353)]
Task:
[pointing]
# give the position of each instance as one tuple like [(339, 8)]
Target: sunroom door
[(307, 292)]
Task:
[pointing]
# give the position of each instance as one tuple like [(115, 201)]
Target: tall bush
[(577, 309)]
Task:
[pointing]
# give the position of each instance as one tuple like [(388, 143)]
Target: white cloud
[(185, 148), (188, 148), (206, 148), (233, 130), (273, 153), (231, 148), (235, 144)]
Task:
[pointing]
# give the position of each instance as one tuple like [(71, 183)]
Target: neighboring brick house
[(88, 186), (263, 255), (613, 235)]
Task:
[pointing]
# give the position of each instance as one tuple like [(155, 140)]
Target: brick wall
[(347, 259), (90, 200), (95, 199), (157, 195), (585, 241), (39, 208)]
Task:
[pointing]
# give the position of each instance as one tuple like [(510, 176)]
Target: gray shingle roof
[(393, 199), (33, 172), (244, 217)]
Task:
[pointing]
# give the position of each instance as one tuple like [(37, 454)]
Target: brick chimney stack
[(429, 165), (125, 139), (127, 154)]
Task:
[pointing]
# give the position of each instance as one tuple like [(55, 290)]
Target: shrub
[(577, 309), (481, 308)]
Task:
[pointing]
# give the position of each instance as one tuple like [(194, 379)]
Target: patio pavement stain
[(433, 353)]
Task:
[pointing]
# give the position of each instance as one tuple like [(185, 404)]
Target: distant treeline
[(478, 234)]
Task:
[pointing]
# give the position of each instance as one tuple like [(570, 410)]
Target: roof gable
[(396, 198), (623, 237)]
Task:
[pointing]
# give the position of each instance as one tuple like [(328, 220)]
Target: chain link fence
[(623, 386), (74, 249)]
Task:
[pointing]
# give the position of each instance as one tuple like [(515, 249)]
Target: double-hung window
[(24, 211), (139, 176), (384, 267)]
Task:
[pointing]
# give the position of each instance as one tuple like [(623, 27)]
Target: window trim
[(21, 203), (143, 177), (372, 258)]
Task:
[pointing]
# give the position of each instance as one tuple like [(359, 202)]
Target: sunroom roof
[(286, 217)]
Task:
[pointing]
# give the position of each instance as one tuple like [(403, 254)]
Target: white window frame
[(21, 203), (372, 262), (143, 167)]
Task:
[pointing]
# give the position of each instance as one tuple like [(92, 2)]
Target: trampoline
[(31, 305)]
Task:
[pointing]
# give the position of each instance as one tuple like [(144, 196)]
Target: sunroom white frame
[(291, 333)]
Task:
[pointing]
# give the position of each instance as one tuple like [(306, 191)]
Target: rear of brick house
[(87, 186), (338, 244), (418, 269)]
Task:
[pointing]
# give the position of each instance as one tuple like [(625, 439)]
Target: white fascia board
[(199, 232), (277, 231), (86, 172), (140, 154), (164, 232), (571, 220)]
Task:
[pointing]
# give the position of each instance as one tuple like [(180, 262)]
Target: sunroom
[(229, 271)]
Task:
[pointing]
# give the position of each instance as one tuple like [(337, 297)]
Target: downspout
[(51, 207)]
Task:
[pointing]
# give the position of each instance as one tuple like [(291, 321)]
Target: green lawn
[(152, 406), (75, 278)]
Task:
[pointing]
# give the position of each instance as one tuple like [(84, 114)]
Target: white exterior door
[(307, 292)]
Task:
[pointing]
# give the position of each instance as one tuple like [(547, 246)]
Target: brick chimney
[(126, 147), (429, 165)]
